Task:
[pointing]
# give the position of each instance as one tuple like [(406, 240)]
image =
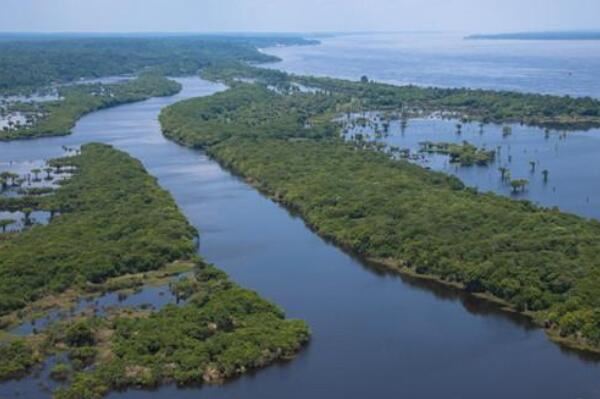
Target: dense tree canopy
[(31, 63), (114, 219)]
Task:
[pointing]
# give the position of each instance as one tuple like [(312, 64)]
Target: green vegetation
[(16, 359), (114, 220), (30, 63), (538, 261), (221, 332), (117, 230), (483, 105), (58, 117), (465, 153)]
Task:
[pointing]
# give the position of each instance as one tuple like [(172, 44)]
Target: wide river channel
[(374, 334)]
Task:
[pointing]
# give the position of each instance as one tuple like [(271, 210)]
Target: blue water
[(446, 60)]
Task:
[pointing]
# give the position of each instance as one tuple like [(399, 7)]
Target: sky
[(474, 16)]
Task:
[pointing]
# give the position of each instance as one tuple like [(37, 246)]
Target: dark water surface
[(374, 334)]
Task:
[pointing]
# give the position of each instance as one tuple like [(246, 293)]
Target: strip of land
[(57, 118), (115, 228), (486, 106), (537, 261)]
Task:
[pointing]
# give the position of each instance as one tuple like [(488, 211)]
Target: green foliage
[(15, 359), (79, 334), (223, 332), (465, 153), (484, 105), (395, 212), (37, 62), (251, 111), (114, 220), (60, 116), (60, 372)]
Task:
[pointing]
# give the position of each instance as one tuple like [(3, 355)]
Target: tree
[(36, 172), (503, 172), (4, 223), (364, 79), (27, 216), (518, 185), (506, 131), (532, 166), (6, 176), (545, 173), (48, 171)]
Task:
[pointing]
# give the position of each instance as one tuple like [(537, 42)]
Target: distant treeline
[(486, 106), (582, 35), (30, 62)]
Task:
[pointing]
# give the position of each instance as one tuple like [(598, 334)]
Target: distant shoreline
[(537, 36)]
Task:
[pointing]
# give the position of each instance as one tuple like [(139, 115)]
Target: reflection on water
[(374, 334)]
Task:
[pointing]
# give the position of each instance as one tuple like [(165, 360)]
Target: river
[(374, 334)]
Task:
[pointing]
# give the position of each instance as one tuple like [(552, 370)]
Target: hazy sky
[(296, 15)]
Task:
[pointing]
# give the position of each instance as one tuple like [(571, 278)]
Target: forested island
[(286, 142), (114, 228)]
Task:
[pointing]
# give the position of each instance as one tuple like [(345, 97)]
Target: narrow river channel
[(374, 334)]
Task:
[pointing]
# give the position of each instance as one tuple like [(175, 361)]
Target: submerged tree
[(48, 172), (518, 185), (36, 172), (545, 173), (503, 171), (4, 223), (532, 166), (27, 216)]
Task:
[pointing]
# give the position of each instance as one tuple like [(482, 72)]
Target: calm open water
[(446, 60)]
